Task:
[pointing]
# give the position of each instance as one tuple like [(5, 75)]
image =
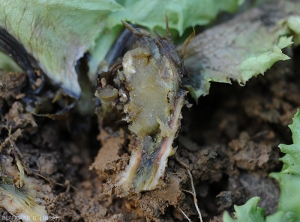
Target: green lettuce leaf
[(244, 47), (181, 14), (249, 212), (289, 178)]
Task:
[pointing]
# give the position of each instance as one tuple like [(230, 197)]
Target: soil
[(228, 141)]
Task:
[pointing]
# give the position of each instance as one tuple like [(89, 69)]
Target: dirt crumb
[(18, 117), (248, 155), (11, 85), (110, 160)]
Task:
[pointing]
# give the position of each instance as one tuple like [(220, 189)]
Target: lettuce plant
[(57, 33)]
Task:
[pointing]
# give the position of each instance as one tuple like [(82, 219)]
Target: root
[(67, 183), (12, 137), (185, 215), (10, 140), (193, 192), (18, 198)]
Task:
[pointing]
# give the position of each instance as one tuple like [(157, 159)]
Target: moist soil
[(228, 141)]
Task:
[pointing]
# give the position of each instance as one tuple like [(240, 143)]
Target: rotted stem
[(147, 164)]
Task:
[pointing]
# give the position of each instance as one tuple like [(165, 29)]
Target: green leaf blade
[(249, 212), (181, 14), (289, 178)]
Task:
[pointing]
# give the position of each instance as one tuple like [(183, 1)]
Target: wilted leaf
[(244, 47), (57, 33)]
